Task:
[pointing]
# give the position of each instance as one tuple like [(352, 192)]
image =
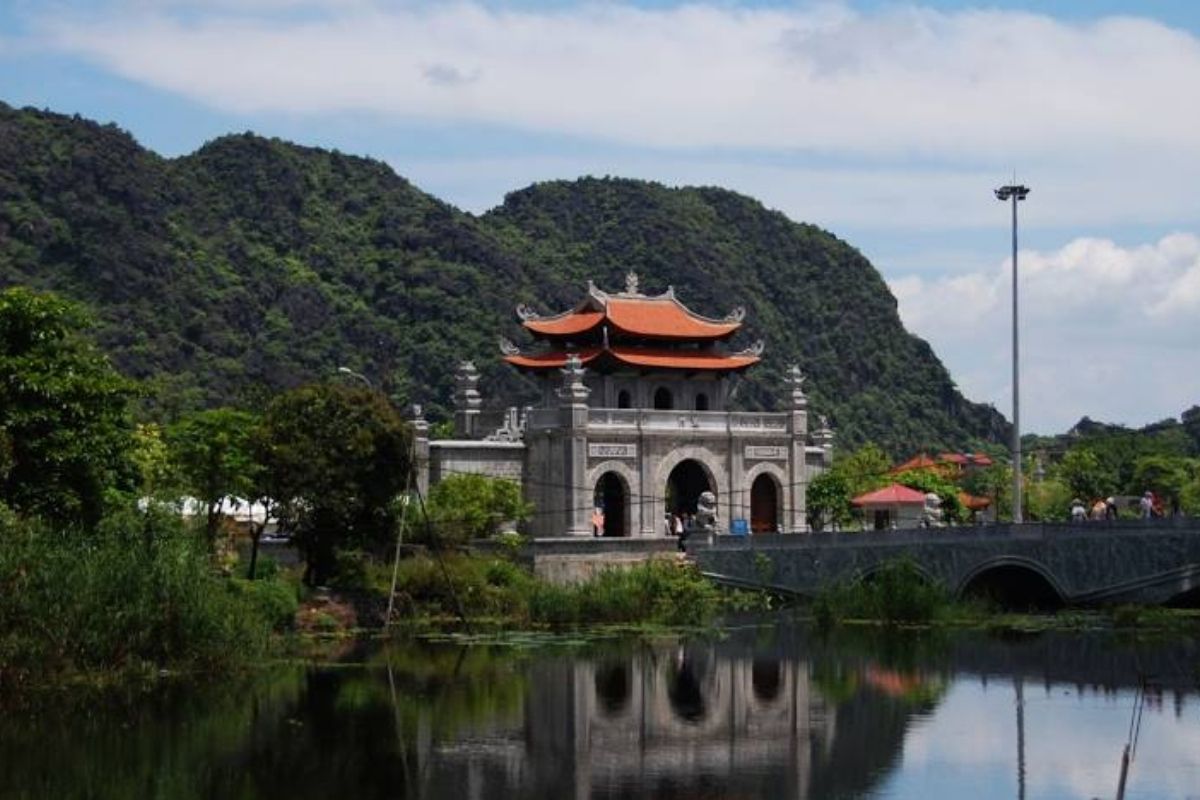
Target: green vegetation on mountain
[(254, 265)]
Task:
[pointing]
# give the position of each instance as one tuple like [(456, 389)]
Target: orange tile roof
[(921, 461), (974, 502), (640, 357), (653, 317), (895, 494)]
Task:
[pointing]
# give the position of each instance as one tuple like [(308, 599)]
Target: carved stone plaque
[(766, 452), (598, 450)]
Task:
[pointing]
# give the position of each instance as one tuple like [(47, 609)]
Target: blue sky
[(886, 123)]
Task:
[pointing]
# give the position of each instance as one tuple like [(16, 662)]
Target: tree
[(929, 480), (995, 483), (463, 507), (213, 452), (1167, 477), (1080, 469), (335, 457), (830, 493), (62, 411), (865, 469), (828, 498)]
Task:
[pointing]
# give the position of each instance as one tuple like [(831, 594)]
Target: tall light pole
[(1015, 192), (357, 375)]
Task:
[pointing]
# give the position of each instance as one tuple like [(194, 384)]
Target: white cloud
[(1107, 331), (907, 80)]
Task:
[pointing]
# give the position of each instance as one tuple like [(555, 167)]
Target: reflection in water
[(612, 686), (767, 679), (796, 718), (683, 689)]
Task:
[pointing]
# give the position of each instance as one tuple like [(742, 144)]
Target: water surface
[(770, 710)]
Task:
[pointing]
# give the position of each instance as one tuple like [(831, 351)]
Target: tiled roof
[(652, 317), (895, 494), (639, 357)]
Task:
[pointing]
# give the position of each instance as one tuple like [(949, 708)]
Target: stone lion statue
[(706, 512)]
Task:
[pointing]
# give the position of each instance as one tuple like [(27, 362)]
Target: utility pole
[(1015, 192)]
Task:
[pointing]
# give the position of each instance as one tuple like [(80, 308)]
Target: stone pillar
[(420, 431), (573, 405), (467, 401), (797, 492), (823, 438)]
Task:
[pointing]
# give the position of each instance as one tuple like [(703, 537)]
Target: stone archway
[(765, 504), (710, 464), (779, 479), (685, 483), (631, 514), (612, 497)]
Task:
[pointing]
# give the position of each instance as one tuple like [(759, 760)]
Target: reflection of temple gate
[(686, 483), (764, 504), (612, 497)]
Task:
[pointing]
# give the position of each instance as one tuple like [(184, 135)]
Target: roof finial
[(631, 283)]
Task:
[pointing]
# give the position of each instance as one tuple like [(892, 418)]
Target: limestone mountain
[(253, 265)]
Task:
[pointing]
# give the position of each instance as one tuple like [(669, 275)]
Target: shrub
[(896, 593), (661, 591), (138, 592)]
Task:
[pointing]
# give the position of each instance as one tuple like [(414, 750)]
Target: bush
[(139, 592), (896, 593), (660, 591), (483, 586), (274, 600)]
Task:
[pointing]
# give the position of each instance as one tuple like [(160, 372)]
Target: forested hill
[(253, 264)]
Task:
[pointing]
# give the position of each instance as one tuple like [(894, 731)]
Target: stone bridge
[(1150, 561)]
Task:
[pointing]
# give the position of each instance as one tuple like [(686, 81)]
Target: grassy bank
[(494, 590), (139, 593)]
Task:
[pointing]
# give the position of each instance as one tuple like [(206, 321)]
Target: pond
[(767, 709)]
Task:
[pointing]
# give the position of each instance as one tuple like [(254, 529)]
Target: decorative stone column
[(467, 401), (573, 405), (797, 492), (823, 438), (420, 430)]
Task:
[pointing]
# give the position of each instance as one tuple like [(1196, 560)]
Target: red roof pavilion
[(892, 495), (630, 330)]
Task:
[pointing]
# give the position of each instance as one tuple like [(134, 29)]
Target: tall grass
[(895, 594), (660, 591), (138, 593)]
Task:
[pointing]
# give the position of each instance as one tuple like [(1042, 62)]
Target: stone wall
[(494, 459)]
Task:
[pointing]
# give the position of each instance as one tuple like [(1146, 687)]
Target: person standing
[(1146, 504), (1078, 511)]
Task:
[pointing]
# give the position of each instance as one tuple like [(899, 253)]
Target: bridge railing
[(952, 533)]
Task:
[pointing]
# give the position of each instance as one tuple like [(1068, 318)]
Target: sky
[(888, 124)]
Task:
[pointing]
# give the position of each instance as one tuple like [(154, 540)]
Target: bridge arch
[(868, 573), (1014, 582)]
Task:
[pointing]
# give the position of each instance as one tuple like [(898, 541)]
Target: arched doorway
[(764, 504), (612, 498), (663, 399), (685, 484)]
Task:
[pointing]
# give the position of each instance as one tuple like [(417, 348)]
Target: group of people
[(1100, 509), (1149, 505)]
